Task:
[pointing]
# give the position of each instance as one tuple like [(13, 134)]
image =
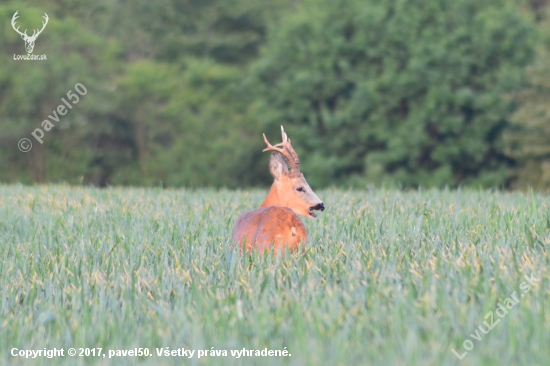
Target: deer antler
[(13, 20), (43, 26), (287, 151), (36, 33)]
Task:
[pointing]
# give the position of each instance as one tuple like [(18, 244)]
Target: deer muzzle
[(318, 207)]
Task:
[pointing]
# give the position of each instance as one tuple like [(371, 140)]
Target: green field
[(388, 278)]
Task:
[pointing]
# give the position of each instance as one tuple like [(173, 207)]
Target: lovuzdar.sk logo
[(29, 40)]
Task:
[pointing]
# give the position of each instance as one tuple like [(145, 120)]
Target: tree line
[(412, 93)]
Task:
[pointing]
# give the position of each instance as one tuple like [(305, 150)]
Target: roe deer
[(276, 224)]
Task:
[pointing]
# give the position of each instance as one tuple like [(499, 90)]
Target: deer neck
[(272, 198)]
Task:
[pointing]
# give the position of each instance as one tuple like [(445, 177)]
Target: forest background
[(406, 93)]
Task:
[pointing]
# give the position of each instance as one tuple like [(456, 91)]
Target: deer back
[(271, 227)]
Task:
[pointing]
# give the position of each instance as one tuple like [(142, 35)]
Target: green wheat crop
[(388, 277)]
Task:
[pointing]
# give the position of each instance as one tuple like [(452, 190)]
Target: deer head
[(290, 188), (29, 40)]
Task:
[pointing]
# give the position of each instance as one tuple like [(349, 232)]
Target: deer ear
[(277, 165)]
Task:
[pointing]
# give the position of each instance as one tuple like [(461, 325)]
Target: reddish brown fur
[(271, 226)]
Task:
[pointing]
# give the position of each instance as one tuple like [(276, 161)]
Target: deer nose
[(320, 206)]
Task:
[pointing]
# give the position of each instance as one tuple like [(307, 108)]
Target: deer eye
[(300, 189)]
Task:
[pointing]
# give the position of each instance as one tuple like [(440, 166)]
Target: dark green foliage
[(179, 91), (185, 126), (528, 139), (165, 101), (403, 91), (31, 90)]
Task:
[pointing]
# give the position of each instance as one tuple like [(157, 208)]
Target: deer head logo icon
[(29, 40)]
